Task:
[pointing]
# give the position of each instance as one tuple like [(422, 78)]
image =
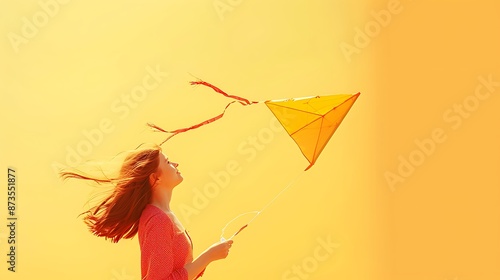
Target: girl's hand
[(215, 252), (219, 250)]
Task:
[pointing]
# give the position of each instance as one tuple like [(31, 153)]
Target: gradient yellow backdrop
[(408, 187)]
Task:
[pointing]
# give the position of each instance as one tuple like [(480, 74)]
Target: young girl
[(140, 203)]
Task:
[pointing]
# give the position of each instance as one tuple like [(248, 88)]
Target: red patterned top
[(165, 248)]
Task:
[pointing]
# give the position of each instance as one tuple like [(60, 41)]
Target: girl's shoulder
[(154, 217), (153, 214)]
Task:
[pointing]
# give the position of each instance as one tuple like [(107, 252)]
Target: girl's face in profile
[(168, 175)]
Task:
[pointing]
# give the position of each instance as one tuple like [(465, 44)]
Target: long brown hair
[(117, 216)]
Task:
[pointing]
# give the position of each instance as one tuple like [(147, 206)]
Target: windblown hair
[(117, 216)]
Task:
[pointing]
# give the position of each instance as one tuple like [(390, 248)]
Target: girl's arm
[(215, 252)]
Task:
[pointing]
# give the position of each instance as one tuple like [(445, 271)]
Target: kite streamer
[(177, 131)]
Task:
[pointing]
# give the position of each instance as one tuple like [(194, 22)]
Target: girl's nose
[(175, 164)]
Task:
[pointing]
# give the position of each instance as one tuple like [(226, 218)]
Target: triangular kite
[(312, 121)]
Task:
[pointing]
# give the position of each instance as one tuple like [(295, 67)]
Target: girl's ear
[(153, 177)]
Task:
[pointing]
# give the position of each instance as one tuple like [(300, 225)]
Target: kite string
[(290, 183), (234, 219)]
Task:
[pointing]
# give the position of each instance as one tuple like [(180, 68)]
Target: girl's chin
[(180, 178)]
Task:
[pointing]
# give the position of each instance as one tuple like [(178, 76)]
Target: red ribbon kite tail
[(180, 130), (216, 89), (241, 100)]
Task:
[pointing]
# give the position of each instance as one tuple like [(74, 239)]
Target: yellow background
[(441, 223)]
